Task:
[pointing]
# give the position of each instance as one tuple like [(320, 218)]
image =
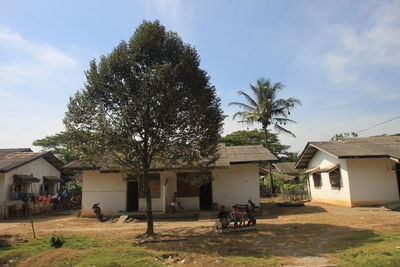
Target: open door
[(132, 196), (205, 196)]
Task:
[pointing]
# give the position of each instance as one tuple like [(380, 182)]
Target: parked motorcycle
[(255, 209), (96, 209)]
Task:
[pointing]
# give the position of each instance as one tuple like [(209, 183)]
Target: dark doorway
[(398, 177), (205, 196), (132, 196)]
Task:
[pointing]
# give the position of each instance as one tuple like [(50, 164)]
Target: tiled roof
[(382, 146), (10, 160), (228, 155)]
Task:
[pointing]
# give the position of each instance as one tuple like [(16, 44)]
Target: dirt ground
[(299, 234)]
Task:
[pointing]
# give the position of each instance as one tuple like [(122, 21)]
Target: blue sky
[(340, 58)]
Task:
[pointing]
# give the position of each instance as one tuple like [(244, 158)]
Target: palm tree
[(264, 108)]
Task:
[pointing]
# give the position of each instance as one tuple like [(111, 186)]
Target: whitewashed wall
[(236, 185), (325, 193), (38, 168), (107, 188), (231, 186), (372, 181)]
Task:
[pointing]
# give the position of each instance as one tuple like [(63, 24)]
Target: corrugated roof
[(12, 160), (380, 146), (5, 151), (286, 168), (228, 155)]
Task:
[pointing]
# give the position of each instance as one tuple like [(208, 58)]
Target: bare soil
[(299, 235)]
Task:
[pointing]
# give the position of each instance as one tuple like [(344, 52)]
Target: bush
[(56, 240)]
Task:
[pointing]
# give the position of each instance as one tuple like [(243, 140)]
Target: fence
[(295, 192)]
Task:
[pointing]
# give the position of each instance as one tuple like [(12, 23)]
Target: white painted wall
[(38, 168), (236, 185), (325, 193), (107, 188), (373, 181)]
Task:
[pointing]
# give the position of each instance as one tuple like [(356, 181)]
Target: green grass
[(77, 250), (367, 248)]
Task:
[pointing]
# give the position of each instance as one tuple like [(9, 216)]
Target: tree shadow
[(273, 210), (284, 240)]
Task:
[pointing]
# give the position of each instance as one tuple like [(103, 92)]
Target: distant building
[(24, 173), (354, 171)]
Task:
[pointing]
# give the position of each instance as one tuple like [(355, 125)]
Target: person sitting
[(175, 202), (235, 216), (250, 217), (223, 217)]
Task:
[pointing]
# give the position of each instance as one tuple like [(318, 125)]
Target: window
[(154, 184), (317, 179), (184, 187), (334, 178)]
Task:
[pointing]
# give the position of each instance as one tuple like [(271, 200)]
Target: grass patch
[(76, 250), (367, 248)]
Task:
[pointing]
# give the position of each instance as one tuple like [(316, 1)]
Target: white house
[(354, 171), (234, 179), (23, 172)]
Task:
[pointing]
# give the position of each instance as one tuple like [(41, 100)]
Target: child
[(223, 217), (235, 216)]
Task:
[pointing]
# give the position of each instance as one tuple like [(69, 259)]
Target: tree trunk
[(269, 163), (149, 210)]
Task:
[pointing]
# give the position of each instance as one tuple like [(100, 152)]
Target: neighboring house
[(234, 179), (287, 170), (353, 172), (23, 172)]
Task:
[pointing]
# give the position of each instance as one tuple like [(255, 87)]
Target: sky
[(340, 58)]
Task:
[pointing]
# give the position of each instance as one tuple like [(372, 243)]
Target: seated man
[(223, 217), (174, 201)]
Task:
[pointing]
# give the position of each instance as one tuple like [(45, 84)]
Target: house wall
[(230, 186), (372, 181), (38, 168), (325, 193), (236, 185)]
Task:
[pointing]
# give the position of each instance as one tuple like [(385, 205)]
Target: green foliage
[(340, 136), (256, 137), (147, 101), (74, 188), (265, 108), (58, 145), (80, 251), (56, 240), (366, 248)]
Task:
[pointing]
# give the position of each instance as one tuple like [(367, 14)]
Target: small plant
[(56, 240)]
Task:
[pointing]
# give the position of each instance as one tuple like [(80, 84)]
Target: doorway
[(205, 196), (132, 196)]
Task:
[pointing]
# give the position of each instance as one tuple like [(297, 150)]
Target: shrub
[(56, 240)]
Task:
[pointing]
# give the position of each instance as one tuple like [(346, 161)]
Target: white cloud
[(40, 52), (35, 81), (372, 44)]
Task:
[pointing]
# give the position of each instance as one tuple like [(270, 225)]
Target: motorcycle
[(96, 209), (255, 209)]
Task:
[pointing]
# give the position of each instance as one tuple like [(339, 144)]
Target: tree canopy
[(147, 101), (339, 136), (58, 145), (256, 137)]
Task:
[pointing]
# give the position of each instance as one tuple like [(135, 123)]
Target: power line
[(379, 124)]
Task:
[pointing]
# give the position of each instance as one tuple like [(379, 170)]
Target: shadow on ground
[(285, 240)]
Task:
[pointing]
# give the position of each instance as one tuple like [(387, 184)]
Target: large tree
[(147, 102), (265, 108)]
